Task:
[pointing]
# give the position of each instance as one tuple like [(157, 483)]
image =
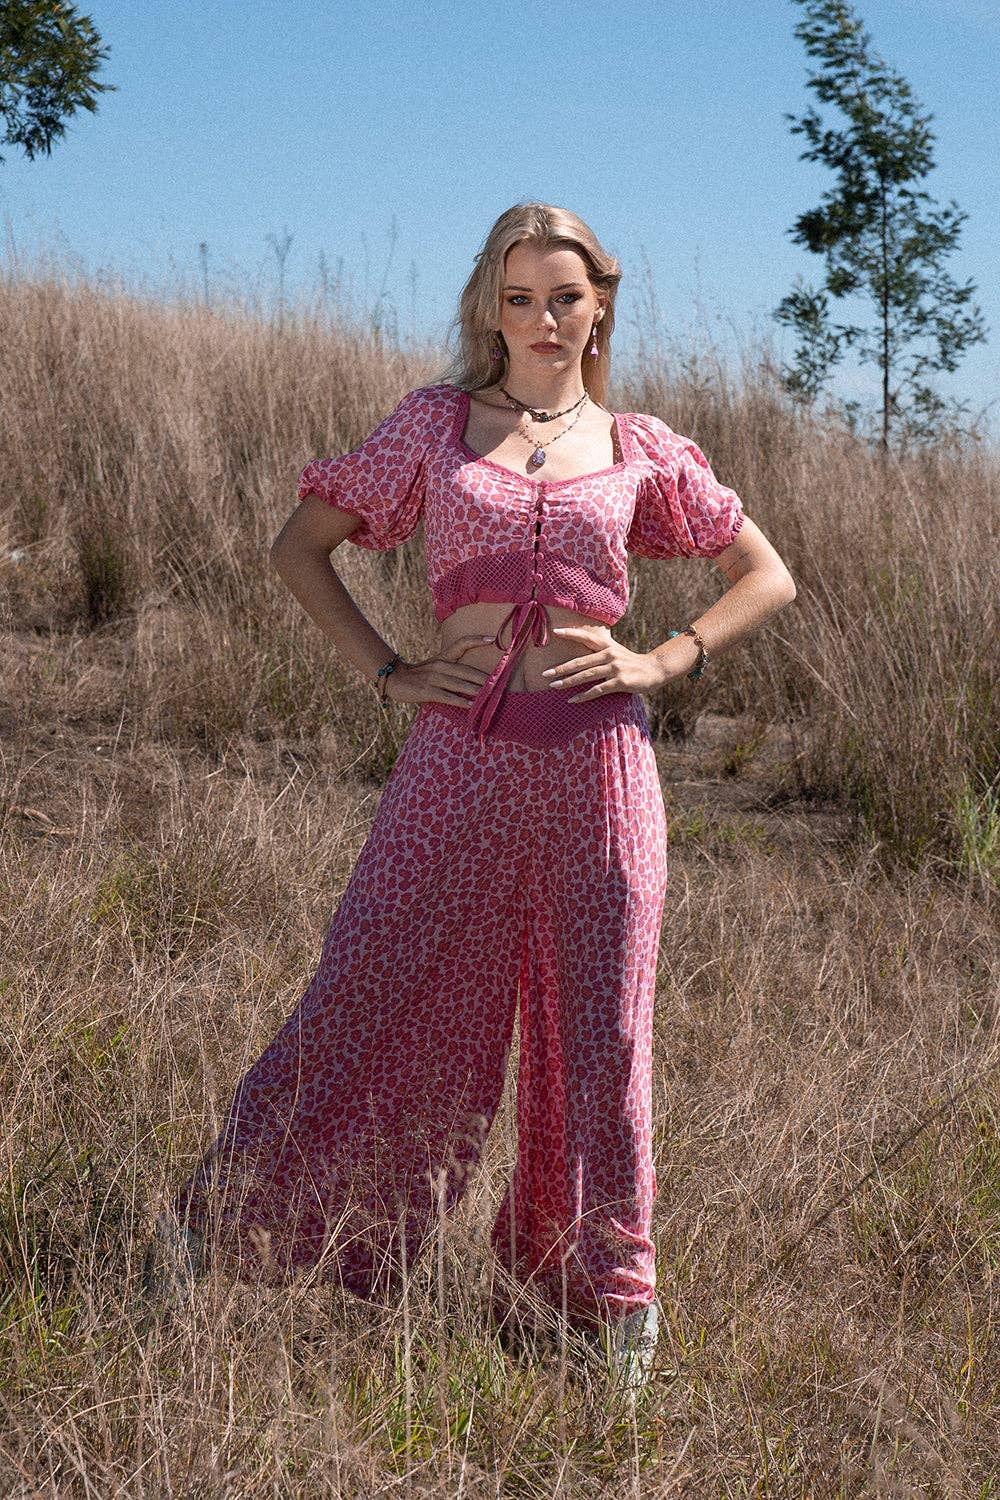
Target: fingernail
[(548, 671), (557, 683)]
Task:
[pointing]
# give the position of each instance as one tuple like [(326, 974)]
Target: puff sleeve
[(382, 480), (681, 508)]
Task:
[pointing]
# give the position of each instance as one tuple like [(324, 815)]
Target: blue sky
[(387, 139)]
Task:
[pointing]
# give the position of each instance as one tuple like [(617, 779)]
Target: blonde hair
[(478, 318)]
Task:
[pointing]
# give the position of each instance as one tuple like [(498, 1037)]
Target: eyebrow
[(561, 288)]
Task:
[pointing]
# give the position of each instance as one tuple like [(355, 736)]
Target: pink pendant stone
[(538, 458)]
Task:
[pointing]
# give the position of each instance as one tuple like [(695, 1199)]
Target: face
[(547, 299)]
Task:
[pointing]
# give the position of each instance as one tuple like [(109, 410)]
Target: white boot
[(175, 1261), (624, 1348)]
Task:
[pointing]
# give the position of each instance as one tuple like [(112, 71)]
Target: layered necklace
[(538, 457)]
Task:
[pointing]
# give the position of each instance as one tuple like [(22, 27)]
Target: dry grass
[(188, 776)]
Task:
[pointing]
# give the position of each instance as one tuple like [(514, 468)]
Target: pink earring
[(496, 352), (593, 351)]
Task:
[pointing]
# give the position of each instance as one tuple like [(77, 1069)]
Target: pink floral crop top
[(492, 535)]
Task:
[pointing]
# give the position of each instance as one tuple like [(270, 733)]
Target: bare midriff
[(485, 619)]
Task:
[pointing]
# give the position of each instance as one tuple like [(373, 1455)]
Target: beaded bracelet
[(699, 666), (382, 677)]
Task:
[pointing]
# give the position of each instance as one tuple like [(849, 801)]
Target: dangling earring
[(593, 348), (496, 352)]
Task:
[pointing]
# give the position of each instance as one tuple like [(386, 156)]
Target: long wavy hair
[(477, 322)]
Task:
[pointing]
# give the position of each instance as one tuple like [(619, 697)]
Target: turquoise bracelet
[(699, 666), (383, 674)]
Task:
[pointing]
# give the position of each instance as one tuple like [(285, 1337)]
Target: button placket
[(537, 550)]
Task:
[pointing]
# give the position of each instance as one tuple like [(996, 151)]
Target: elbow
[(282, 544), (782, 585), (775, 584), (277, 555), (288, 553)]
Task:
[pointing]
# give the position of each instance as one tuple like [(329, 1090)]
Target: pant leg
[(391, 1068), (576, 1218)]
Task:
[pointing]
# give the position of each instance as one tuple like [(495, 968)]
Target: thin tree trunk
[(885, 321)]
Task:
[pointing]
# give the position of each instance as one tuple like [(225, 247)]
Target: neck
[(561, 389)]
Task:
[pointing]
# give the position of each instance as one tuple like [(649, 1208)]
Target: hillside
[(188, 776)]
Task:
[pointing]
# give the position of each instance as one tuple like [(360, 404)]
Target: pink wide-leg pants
[(527, 869)]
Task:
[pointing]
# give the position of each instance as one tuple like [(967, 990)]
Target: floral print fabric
[(662, 500), (531, 872)]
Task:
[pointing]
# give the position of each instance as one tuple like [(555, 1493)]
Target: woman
[(518, 853)]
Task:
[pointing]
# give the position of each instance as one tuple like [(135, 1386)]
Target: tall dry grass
[(188, 776), (147, 457), (890, 657)]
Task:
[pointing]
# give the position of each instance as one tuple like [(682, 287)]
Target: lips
[(546, 346)]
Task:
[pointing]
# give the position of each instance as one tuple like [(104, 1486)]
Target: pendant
[(537, 458)]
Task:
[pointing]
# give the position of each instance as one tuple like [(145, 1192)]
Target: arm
[(300, 553), (760, 585)]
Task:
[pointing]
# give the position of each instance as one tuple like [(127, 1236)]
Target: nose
[(551, 321)]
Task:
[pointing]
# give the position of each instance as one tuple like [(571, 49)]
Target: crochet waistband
[(546, 719)]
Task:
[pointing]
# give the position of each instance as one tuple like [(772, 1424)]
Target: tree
[(48, 58), (880, 235)]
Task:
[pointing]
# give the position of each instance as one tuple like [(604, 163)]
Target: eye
[(522, 296)]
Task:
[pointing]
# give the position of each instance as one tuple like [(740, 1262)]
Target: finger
[(441, 695), (467, 642), (576, 679), (464, 682), (589, 677), (568, 668), (456, 676), (467, 669), (595, 690)]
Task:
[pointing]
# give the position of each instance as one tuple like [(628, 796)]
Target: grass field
[(188, 775)]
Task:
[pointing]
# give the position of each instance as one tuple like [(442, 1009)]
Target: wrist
[(385, 674), (395, 680), (675, 657)]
